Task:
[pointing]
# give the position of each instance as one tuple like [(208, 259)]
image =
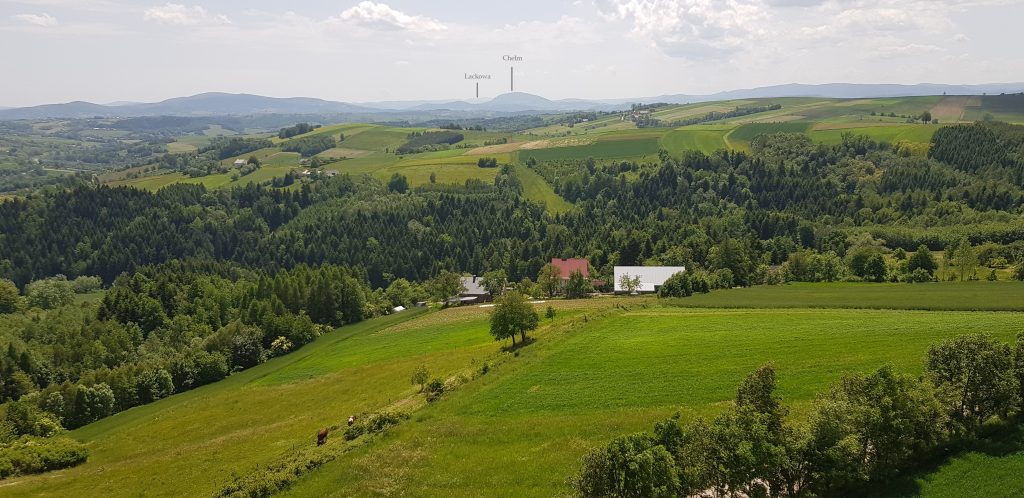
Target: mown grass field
[(191, 443), (524, 429), (963, 296), (538, 190), (603, 367), (609, 148), (914, 133), (705, 139)]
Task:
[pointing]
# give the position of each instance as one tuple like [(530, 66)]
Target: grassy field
[(538, 190), (964, 296), (180, 147), (914, 133), (526, 427), (191, 443), (741, 136), (603, 367), (704, 139), (605, 149)]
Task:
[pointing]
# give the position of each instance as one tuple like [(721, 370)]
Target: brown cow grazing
[(351, 420), (321, 437)]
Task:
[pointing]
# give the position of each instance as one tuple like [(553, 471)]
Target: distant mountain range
[(841, 91), (227, 104)]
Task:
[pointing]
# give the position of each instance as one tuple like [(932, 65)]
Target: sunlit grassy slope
[(602, 367)]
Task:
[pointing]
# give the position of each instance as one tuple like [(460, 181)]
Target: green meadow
[(601, 368), (953, 296), (704, 139), (609, 147)]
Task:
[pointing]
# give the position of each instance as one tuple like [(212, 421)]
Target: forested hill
[(729, 210)]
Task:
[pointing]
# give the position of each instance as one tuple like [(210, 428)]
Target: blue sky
[(358, 50)]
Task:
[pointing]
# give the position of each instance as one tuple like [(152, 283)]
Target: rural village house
[(474, 293)]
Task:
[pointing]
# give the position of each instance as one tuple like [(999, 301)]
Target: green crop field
[(538, 190), (694, 138), (377, 139), (179, 147), (632, 147), (915, 133), (603, 367), (742, 135)]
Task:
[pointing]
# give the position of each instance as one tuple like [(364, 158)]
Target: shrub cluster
[(422, 141), (310, 146), (374, 423), (32, 455)]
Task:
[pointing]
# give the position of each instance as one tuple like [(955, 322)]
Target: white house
[(651, 277), (239, 163)]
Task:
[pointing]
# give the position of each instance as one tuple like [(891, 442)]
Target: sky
[(367, 50)]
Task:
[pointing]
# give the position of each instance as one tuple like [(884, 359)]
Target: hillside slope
[(601, 368)]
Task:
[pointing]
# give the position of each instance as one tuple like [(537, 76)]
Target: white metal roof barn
[(651, 277)]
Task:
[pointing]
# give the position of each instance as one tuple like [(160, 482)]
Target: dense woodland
[(203, 282)]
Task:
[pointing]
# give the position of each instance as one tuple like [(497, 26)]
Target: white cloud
[(44, 20), (182, 15), (692, 29), (381, 16), (961, 38)]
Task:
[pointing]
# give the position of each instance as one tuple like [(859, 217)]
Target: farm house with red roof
[(568, 265)]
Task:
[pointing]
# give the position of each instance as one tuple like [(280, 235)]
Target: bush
[(435, 388), (50, 293), (85, 284), (10, 297), (24, 418), (196, 367), (419, 142), (32, 455), (487, 162), (678, 285), (919, 275), (298, 129), (550, 313), (1018, 274), (273, 478), (377, 422), (629, 466)]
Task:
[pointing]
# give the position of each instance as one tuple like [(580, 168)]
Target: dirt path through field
[(951, 109)]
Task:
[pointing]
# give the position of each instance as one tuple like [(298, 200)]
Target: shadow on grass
[(510, 348), (997, 440)]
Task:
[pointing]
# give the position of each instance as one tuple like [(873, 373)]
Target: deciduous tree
[(513, 315)]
